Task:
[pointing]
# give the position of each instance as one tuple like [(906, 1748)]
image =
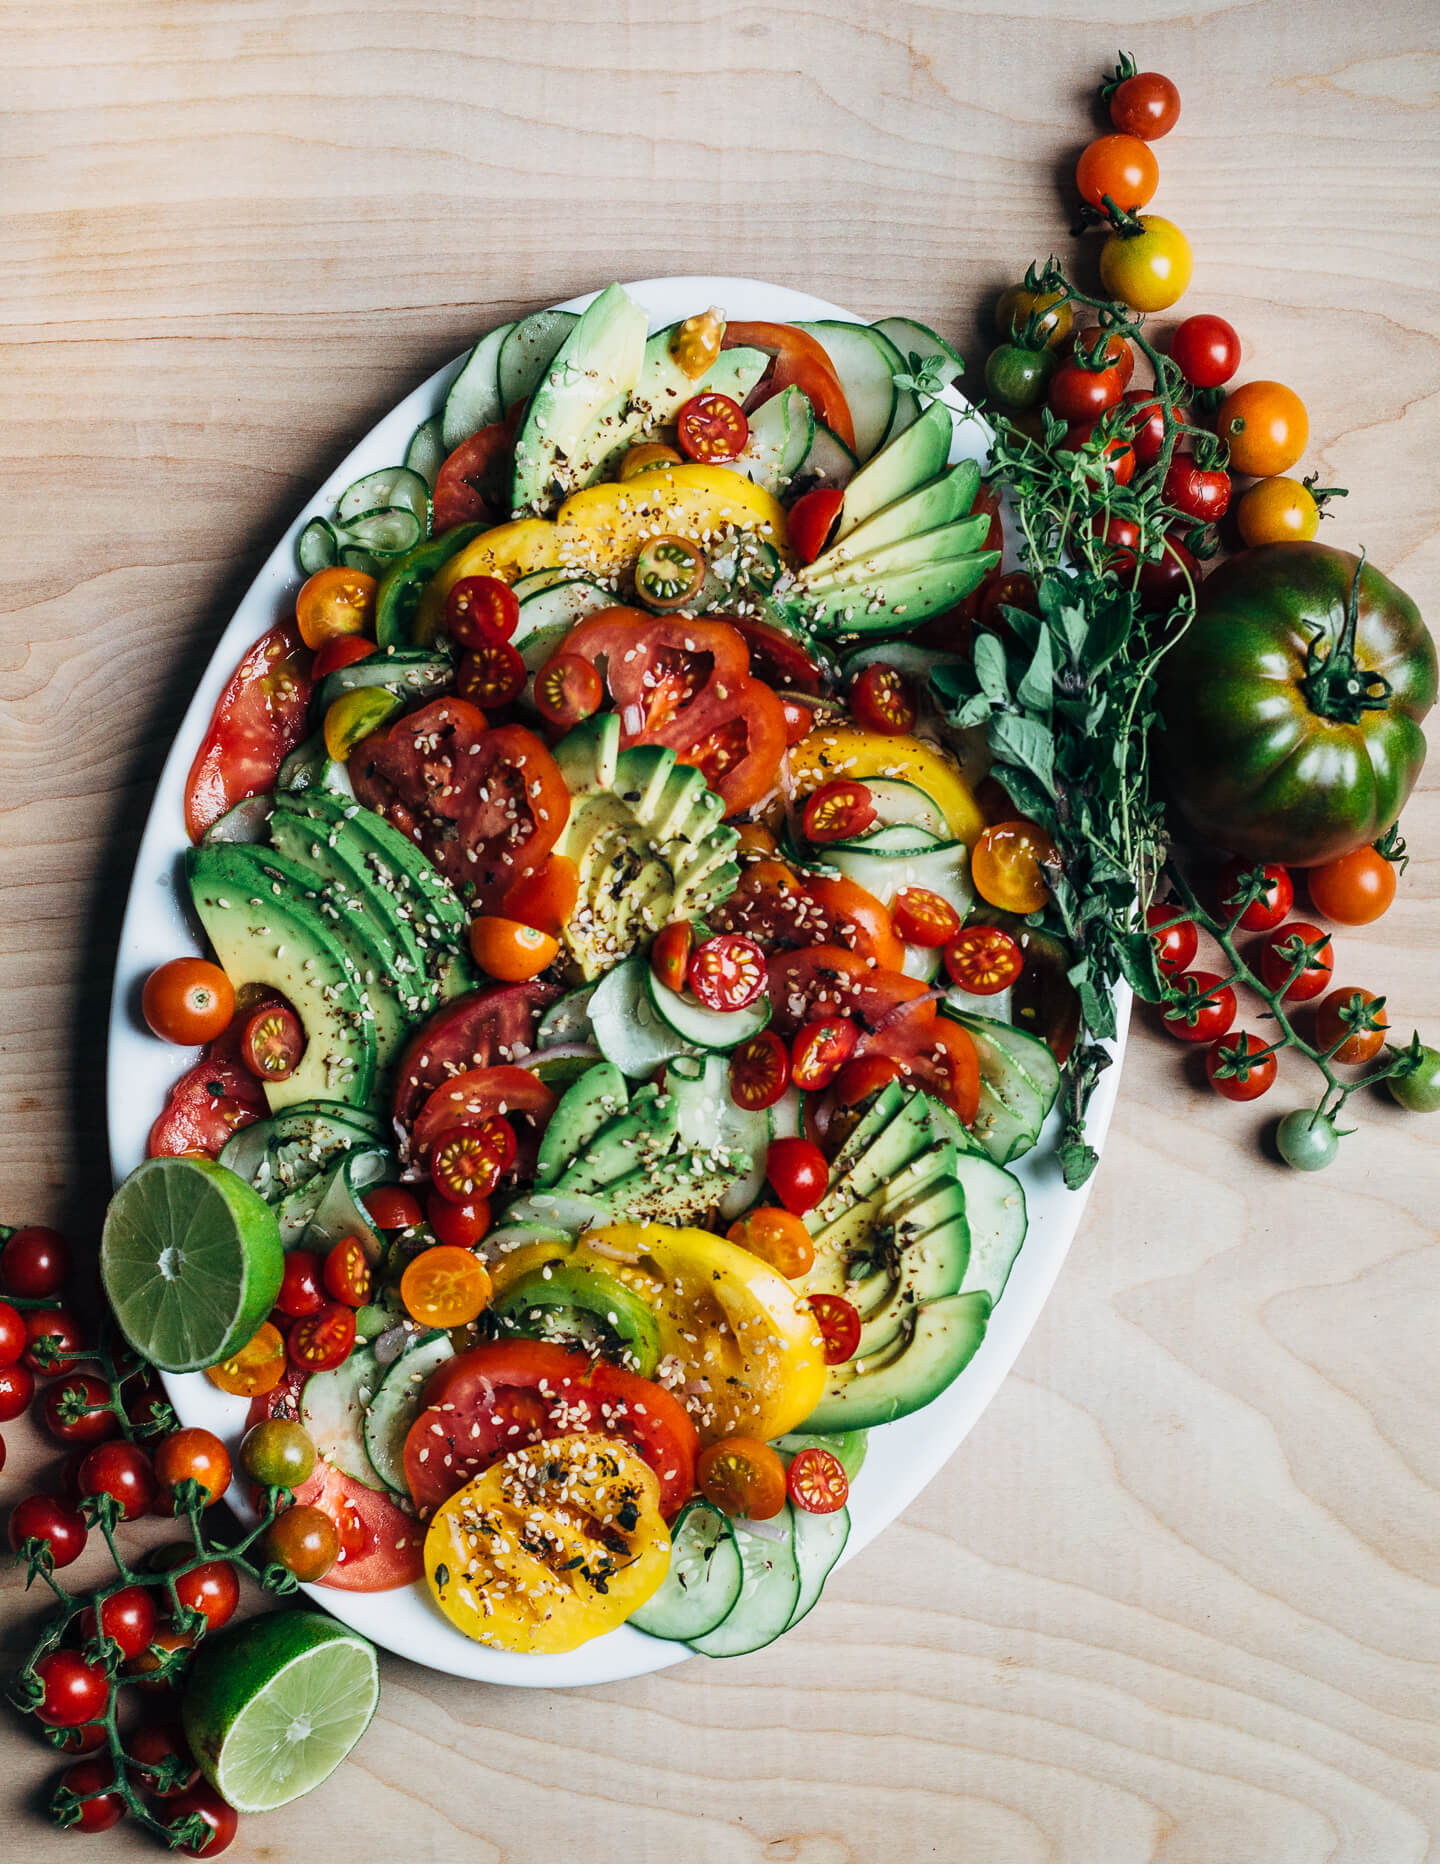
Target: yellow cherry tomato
[(334, 602), (509, 949), (1045, 314), (257, 1368), (646, 457), (1007, 865), (445, 1286), (354, 715), (1265, 426), (555, 1545), (1277, 511), (1149, 270), (756, 841), (696, 343)]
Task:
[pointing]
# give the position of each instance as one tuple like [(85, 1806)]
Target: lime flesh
[(191, 1261), (272, 1708)]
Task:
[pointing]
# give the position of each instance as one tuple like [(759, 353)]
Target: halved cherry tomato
[(546, 898), (491, 676), (1277, 963), (341, 650), (883, 700), (1238, 1067), (669, 571), (742, 1477), (259, 719), (839, 1324), (646, 457), (670, 954), (1271, 906), (759, 1071), (1350, 1025), (273, 1043), (302, 1285), (462, 1226), (1176, 940), (754, 840), (861, 1078), (467, 1099), (334, 601), (1205, 1010), (727, 972), (1014, 590), (983, 960), (1008, 862), (797, 1170), (257, 1367), (801, 363), (817, 1482), (838, 810), (188, 1001), (480, 610), (820, 1050), (712, 428), (777, 1237), (509, 949), (924, 918), (390, 1207), (469, 1161), (811, 520), (322, 1341), (445, 1287), (348, 1276), (567, 690)]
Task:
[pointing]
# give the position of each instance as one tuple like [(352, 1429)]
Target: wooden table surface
[(1176, 1597)]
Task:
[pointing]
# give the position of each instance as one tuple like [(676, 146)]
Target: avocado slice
[(585, 1108), (941, 501), (899, 468), (587, 384), (901, 601), (921, 1360), (279, 942)]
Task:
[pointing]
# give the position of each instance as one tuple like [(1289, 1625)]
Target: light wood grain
[(1175, 1601)]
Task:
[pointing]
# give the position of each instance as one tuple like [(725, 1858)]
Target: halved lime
[(191, 1261), (273, 1707)]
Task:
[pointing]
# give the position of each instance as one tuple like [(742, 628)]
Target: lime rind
[(191, 1261)]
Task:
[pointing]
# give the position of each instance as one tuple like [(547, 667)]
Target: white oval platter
[(903, 1456)]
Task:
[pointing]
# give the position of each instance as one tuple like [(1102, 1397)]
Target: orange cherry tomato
[(1265, 426), (347, 1273), (567, 690), (754, 839), (1008, 862), (188, 1001), (1120, 167), (649, 455), (196, 1456), (445, 1287), (1340, 1026), (696, 344), (1354, 890), (509, 950), (334, 601), (257, 1368), (712, 428), (742, 1477), (546, 898), (304, 1540), (924, 918), (776, 1237), (670, 954), (341, 650)]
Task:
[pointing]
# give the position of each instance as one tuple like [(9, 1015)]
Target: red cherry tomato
[(98, 1810), (273, 1043), (838, 810), (727, 972), (1280, 954), (1205, 1011), (17, 1388), (1146, 425), (1080, 394), (712, 428), (984, 960), (759, 1071), (567, 690), (390, 1207), (302, 1287), (811, 520), (73, 1691), (123, 1471), (89, 1397), (347, 1273), (480, 610), (883, 700), (468, 1162), (193, 1456), (820, 1050), (817, 1482), (670, 954), (1163, 581), (1146, 105), (1342, 1036), (1238, 1067), (459, 1226), (1085, 346), (1114, 458), (322, 1341), (924, 918), (1201, 492), (64, 1341), (797, 1170), (34, 1263), (1353, 890), (212, 1590), (14, 1335), (46, 1518), (1271, 906), (128, 1618), (491, 676), (153, 1744), (1176, 940), (220, 1819), (839, 1324), (1206, 350)]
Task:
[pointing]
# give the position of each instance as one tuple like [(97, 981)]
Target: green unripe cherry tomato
[(277, 1454), (1307, 1140), (1419, 1092), (1016, 377)]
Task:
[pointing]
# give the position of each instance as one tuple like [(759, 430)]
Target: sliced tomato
[(727, 972), (923, 917), (740, 758), (214, 1099), (521, 1097), (759, 1071), (258, 720), (474, 482), (820, 1050), (933, 1053), (850, 915), (491, 676), (670, 954), (504, 1395), (771, 905), (800, 363), (820, 980), (811, 520), (778, 658), (838, 811), (474, 1031)]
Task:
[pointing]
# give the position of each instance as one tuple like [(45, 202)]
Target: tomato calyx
[(1334, 683)]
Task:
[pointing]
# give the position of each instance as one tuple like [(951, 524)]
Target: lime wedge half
[(273, 1707), (191, 1261)]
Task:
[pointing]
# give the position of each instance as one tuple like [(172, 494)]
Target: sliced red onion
[(562, 1051)]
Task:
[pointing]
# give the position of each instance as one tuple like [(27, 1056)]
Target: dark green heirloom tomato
[(1292, 705), (1017, 377)]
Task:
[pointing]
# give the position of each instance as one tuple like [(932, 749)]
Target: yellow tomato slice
[(555, 1545), (849, 751), (508, 552), (738, 1349)]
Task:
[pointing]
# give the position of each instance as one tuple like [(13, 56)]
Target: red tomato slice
[(838, 811), (821, 980), (712, 427), (778, 658), (839, 1324), (670, 954), (800, 363), (258, 721), (475, 1031), (847, 914), (474, 482), (214, 1099), (759, 1071), (727, 972), (741, 758), (466, 1100), (820, 1051), (499, 1397), (933, 1052)]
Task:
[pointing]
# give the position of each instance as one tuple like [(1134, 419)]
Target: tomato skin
[(1307, 1140), (390, 1207), (480, 610), (1175, 945), (858, 1080), (759, 1071), (259, 719), (304, 1540), (777, 1237), (122, 1471), (341, 650), (1078, 394), (727, 972), (460, 1226), (1021, 315), (568, 690), (74, 1691), (983, 960), (473, 482), (1277, 511), (1120, 166), (277, 1453), (924, 918), (98, 1811), (820, 1050), (1017, 377), (1274, 968), (94, 1424), (34, 1262), (1150, 270), (883, 700), (817, 1482), (64, 1337), (212, 1590), (17, 1388), (838, 811), (347, 1274), (1205, 1012), (1146, 105), (46, 1518), (302, 1288), (1202, 493), (1355, 890), (1164, 580), (1206, 350), (323, 1340), (128, 1618), (188, 1001), (1237, 1067), (742, 1477), (258, 1367), (798, 1172), (13, 1334), (1252, 764), (1266, 911), (509, 950), (839, 1324), (545, 898), (1113, 458), (153, 1743), (1265, 426), (1008, 862), (1345, 1040)]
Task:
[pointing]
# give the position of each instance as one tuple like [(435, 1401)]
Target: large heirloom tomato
[(1292, 705)]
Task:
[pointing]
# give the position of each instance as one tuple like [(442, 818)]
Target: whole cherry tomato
[(1282, 952), (1351, 1025), (777, 1237), (1030, 317), (1162, 581), (304, 1540), (797, 1170), (98, 1810), (162, 1758), (188, 1001), (17, 1388), (1117, 172), (128, 1618), (1176, 940), (1354, 890), (54, 1341), (73, 1691), (1145, 105), (1239, 1067), (1206, 350), (1277, 511), (1080, 394), (1205, 1011), (124, 1472), (46, 1519), (1148, 270), (34, 1263), (1269, 907), (1201, 492), (391, 1207), (1265, 426), (76, 1409), (14, 1335), (1104, 349), (220, 1819), (510, 950), (212, 1589), (193, 1455), (445, 1287), (458, 1226), (1146, 426)]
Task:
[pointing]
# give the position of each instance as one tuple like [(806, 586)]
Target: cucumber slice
[(317, 548), (769, 1592), (867, 363), (703, 1584), (474, 399), (922, 961), (332, 1409), (396, 1405), (918, 662), (885, 869), (568, 1020), (702, 1028), (819, 1541), (829, 461), (742, 1129), (899, 803), (1019, 1080), (382, 531), (528, 351), (311, 767), (916, 343), (628, 1029), (394, 487), (410, 673), (275, 1156), (548, 615), (781, 433), (341, 1210), (425, 454)]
